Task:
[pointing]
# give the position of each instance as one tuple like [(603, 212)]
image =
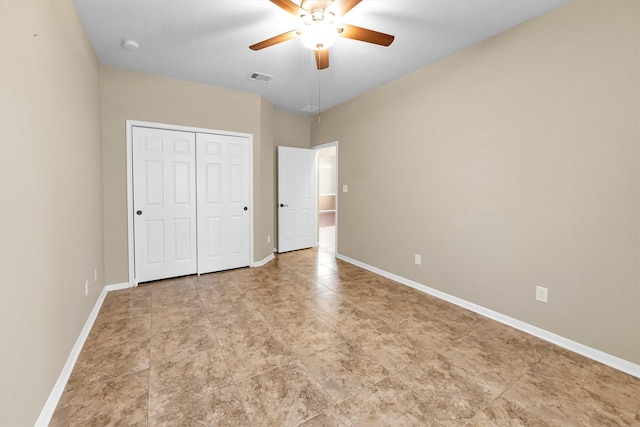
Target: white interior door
[(297, 198), (224, 193), (164, 201)]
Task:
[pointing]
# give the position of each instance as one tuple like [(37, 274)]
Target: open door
[(297, 199)]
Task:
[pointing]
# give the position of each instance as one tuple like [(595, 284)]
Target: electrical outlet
[(542, 294), (418, 259), (86, 288), (268, 238)]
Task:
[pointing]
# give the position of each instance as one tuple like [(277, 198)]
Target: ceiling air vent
[(258, 77)]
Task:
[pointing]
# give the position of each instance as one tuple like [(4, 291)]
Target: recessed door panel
[(182, 227), (214, 237), (302, 182), (288, 225), (213, 148), (182, 183), (155, 242), (236, 235), (303, 220), (235, 183), (235, 149), (154, 180), (181, 146), (153, 144), (212, 183)]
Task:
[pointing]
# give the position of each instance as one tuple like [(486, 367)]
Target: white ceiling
[(207, 41)]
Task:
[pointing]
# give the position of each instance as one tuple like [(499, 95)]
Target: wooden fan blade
[(365, 35), (343, 6), (275, 40), (322, 58), (289, 6)]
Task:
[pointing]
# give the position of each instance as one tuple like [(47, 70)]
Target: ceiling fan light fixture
[(319, 35)]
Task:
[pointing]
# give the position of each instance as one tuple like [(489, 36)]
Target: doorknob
[(138, 212), (282, 205), (246, 208)]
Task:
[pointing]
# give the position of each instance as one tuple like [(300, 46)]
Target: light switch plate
[(345, 188)]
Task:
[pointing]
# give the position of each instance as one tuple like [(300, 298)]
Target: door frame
[(320, 147), (164, 126)]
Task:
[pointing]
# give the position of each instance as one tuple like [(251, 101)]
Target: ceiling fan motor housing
[(312, 5)]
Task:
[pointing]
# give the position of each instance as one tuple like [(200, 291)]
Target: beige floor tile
[(124, 304), (96, 366), (285, 396), (288, 311), (613, 387), (231, 310), (344, 369), (233, 330), (256, 354), (176, 344), (116, 401), (389, 402), (178, 319), (106, 334), (508, 414), (500, 355), (331, 417), (187, 379), (220, 408), (165, 303), (169, 286), (356, 324), (428, 334), (308, 335), (213, 298), (449, 391)]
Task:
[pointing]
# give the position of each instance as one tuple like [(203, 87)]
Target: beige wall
[(128, 95), (51, 198), (511, 164), (289, 130), (265, 178)]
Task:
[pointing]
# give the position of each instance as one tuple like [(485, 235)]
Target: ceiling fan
[(320, 27)]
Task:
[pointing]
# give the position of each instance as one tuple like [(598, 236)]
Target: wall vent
[(259, 77)]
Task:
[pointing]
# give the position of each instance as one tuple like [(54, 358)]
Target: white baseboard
[(54, 397), (52, 402), (264, 261), (591, 353), (118, 286)]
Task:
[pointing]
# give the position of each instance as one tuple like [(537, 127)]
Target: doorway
[(327, 158)]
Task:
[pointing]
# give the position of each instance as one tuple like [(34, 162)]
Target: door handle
[(246, 208), (282, 205), (138, 212)]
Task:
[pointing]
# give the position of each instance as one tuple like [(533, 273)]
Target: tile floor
[(308, 340)]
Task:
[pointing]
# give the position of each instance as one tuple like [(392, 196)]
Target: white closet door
[(297, 198), (164, 203), (224, 193)]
